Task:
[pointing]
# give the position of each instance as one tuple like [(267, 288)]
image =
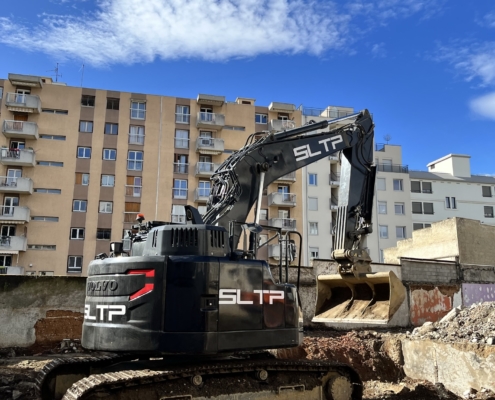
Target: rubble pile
[(474, 324)]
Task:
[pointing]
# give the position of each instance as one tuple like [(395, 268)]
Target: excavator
[(182, 311)]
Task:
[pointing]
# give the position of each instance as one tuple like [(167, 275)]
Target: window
[(398, 184), (76, 233), (180, 189), (182, 114), (52, 137), (400, 209), (87, 101), (50, 191), (417, 207), (111, 129), (264, 214), (42, 247), (1, 93), (138, 109), (47, 219), (109, 154), (108, 180), (313, 179), (451, 203), (382, 207), (400, 232), (382, 258), (428, 208), (486, 191), (79, 205), (381, 184), (50, 163), (314, 252), (83, 152), (112, 103), (74, 264), (383, 231), (313, 203), (103, 234), (261, 118), (204, 188), (86, 126), (82, 179), (234, 128), (136, 134), (178, 214), (181, 165), (421, 187), (52, 111), (106, 207), (134, 186), (135, 160), (313, 228), (181, 139), (488, 212), (417, 226)]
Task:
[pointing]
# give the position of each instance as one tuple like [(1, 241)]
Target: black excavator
[(179, 311)]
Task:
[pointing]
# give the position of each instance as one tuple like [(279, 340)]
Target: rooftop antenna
[(387, 138), (56, 73), (82, 74)]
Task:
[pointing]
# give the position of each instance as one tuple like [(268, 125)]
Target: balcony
[(210, 99), (133, 191), (26, 103), (287, 178), (274, 251), (206, 169), (17, 157), (13, 243), (334, 203), (201, 195), (334, 179), (282, 199), (281, 107), (16, 214), (16, 185), (278, 125), (329, 112), (181, 168), (287, 224), (401, 169), (26, 80), (20, 129), (210, 120), (212, 146)]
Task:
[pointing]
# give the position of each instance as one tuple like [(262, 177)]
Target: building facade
[(79, 164)]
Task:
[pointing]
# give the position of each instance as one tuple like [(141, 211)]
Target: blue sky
[(424, 68)]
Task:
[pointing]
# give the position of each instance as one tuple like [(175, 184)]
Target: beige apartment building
[(79, 164)]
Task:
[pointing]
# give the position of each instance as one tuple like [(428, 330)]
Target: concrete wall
[(429, 271), (40, 310), (475, 242)]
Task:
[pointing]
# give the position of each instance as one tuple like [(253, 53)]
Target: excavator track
[(216, 379)]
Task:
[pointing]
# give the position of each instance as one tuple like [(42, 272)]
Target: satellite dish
[(387, 138)]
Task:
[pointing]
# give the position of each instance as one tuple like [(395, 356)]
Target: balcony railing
[(290, 177), (3, 270), (330, 113), (133, 190), (15, 243), (15, 185), (178, 218), (288, 224), (23, 103), (15, 213), (333, 158), (20, 129), (379, 146), (210, 120), (334, 178), (282, 199), (274, 251), (181, 168), (136, 139), (19, 157), (279, 125), (182, 118), (334, 203), (206, 145), (202, 194), (206, 168), (402, 169)]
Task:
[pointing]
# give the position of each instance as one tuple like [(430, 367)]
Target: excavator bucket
[(372, 298)]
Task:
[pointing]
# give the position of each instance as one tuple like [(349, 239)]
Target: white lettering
[(260, 293), (239, 301), (276, 295), (117, 310), (87, 313), (113, 310), (233, 296), (301, 152), (227, 296)]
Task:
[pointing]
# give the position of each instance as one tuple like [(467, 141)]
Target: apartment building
[(79, 164)]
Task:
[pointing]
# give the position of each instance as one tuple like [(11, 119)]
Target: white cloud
[(378, 50), (484, 106), (129, 31)]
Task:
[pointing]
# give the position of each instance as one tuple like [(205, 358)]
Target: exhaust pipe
[(370, 298)]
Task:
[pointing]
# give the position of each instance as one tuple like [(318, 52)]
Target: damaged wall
[(40, 309), (431, 303)]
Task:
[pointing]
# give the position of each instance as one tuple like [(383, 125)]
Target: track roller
[(338, 387)]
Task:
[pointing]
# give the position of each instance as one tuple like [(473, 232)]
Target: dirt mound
[(475, 324)]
